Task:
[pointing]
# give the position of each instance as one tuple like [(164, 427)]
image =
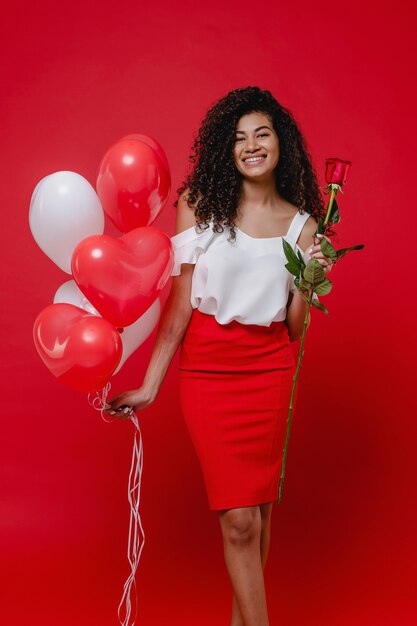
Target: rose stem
[(294, 384), (329, 206)]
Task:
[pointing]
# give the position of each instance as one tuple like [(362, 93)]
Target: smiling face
[(256, 147)]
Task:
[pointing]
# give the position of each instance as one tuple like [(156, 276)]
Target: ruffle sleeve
[(188, 246)]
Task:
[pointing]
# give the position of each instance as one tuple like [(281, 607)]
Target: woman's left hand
[(316, 253)]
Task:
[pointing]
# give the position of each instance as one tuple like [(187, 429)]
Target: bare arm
[(172, 325), (174, 321)]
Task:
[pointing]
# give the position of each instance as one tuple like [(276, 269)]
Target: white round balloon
[(69, 293), (64, 209)]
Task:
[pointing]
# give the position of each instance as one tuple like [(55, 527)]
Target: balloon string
[(136, 539), (99, 401)]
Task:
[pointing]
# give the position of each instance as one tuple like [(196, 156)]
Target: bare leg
[(266, 512), (241, 528)]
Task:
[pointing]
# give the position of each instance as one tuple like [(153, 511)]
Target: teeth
[(253, 159)]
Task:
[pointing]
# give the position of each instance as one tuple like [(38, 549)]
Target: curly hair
[(215, 185)]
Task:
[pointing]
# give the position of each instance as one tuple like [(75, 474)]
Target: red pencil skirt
[(235, 385)]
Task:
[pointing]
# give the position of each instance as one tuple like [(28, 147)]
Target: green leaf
[(292, 268), (340, 253), (328, 249), (300, 256), (320, 306), (293, 260), (334, 213), (304, 283), (314, 273), (323, 288)]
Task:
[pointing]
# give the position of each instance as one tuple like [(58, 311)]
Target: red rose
[(336, 171)]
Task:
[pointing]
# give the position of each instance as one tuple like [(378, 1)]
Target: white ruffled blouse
[(245, 280)]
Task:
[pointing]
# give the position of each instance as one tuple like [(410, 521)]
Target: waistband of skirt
[(210, 346), (210, 319)]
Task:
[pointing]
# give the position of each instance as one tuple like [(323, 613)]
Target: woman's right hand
[(124, 403)]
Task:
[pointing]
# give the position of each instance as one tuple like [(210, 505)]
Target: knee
[(242, 526), (266, 513)]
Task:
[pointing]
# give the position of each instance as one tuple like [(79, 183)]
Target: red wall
[(77, 77)]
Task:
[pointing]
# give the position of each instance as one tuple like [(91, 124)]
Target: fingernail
[(112, 412), (126, 410)]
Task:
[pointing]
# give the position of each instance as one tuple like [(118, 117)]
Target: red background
[(79, 76)]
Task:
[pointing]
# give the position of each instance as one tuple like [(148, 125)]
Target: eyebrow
[(256, 129)]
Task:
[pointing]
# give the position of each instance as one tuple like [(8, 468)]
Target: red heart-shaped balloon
[(123, 277), (80, 349)]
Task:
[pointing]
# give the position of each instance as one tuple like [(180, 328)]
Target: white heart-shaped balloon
[(135, 334)]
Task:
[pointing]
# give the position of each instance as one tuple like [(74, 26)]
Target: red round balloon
[(133, 184), (80, 349), (123, 277)]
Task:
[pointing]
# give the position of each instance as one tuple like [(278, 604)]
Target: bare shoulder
[(306, 237), (185, 214)]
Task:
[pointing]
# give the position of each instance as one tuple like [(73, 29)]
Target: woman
[(235, 310)]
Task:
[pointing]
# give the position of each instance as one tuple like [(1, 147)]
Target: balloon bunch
[(111, 305)]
